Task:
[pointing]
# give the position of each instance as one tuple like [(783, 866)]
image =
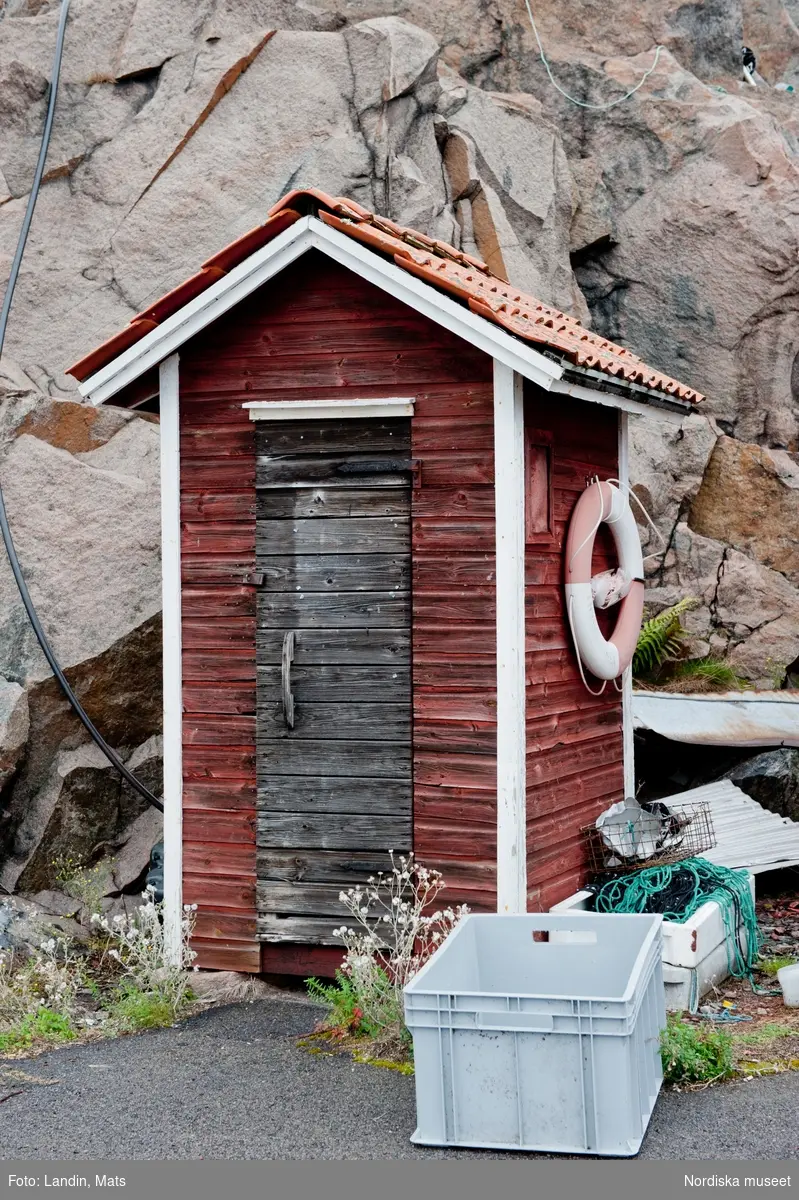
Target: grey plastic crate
[(549, 1045)]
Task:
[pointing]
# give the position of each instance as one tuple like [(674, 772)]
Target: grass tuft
[(713, 672), (135, 1010), (770, 966)]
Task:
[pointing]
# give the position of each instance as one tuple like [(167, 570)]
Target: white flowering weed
[(138, 944), (392, 936), (49, 978)]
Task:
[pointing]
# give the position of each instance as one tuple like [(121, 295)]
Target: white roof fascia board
[(193, 317), (310, 233), (627, 404), (436, 305), (297, 410)]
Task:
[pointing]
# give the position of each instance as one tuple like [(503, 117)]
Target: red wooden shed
[(370, 450)]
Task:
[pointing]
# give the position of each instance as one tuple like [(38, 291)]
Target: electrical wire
[(5, 529), (573, 99)]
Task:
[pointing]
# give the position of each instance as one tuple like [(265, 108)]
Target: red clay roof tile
[(246, 245), (442, 266), (104, 353)]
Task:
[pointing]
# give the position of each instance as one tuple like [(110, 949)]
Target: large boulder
[(669, 466), (14, 728), (87, 532), (749, 498), (512, 188), (84, 813), (746, 612), (702, 276), (67, 798), (24, 924), (81, 490), (771, 778)]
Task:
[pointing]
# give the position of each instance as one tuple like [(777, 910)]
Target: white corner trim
[(628, 741), (172, 666), (511, 699), (299, 410)]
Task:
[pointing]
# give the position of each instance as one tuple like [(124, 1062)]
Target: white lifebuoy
[(602, 503)]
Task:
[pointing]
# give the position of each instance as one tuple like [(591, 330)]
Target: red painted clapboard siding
[(319, 329), (454, 638), (574, 740)]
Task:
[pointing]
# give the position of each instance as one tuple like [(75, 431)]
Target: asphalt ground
[(232, 1083)]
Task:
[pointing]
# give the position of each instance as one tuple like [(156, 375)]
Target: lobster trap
[(630, 836)]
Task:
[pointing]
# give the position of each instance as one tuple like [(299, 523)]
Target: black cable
[(41, 637)]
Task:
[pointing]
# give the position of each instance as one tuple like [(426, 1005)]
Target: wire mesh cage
[(629, 836)]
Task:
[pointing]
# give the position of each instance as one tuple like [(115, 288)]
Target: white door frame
[(172, 651), (511, 698), (627, 677)]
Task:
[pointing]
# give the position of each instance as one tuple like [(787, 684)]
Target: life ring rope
[(631, 495), (589, 689)]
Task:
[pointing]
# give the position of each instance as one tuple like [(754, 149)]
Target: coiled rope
[(678, 890)]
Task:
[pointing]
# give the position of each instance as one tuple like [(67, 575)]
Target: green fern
[(344, 1003), (661, 638)]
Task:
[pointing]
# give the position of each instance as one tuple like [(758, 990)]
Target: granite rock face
[(749, 498), (81, 491), (669, 222)]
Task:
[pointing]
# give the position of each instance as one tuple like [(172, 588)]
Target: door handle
[(286, 660)]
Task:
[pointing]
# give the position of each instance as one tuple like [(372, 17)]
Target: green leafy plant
[(49, 978), (661, 657), (695, 1053), (393, 935), (138, 944), (346, 1014), (770, 966), (776, 670), (661, 638), (83, 883), (42, 1026)]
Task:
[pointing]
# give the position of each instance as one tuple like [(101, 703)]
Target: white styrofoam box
[(709, 973), (547, 1045), (696, 947), (684, 945)]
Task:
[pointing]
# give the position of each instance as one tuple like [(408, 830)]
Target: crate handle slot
[(532, 1022), (561, 936)]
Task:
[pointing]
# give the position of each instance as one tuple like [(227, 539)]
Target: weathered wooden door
[(333, 655)]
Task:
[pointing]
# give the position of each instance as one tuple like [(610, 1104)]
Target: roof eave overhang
[(311, 234)]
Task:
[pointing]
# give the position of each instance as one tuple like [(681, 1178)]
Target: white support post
[(511, 731), (173, 667), (627, 677)]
